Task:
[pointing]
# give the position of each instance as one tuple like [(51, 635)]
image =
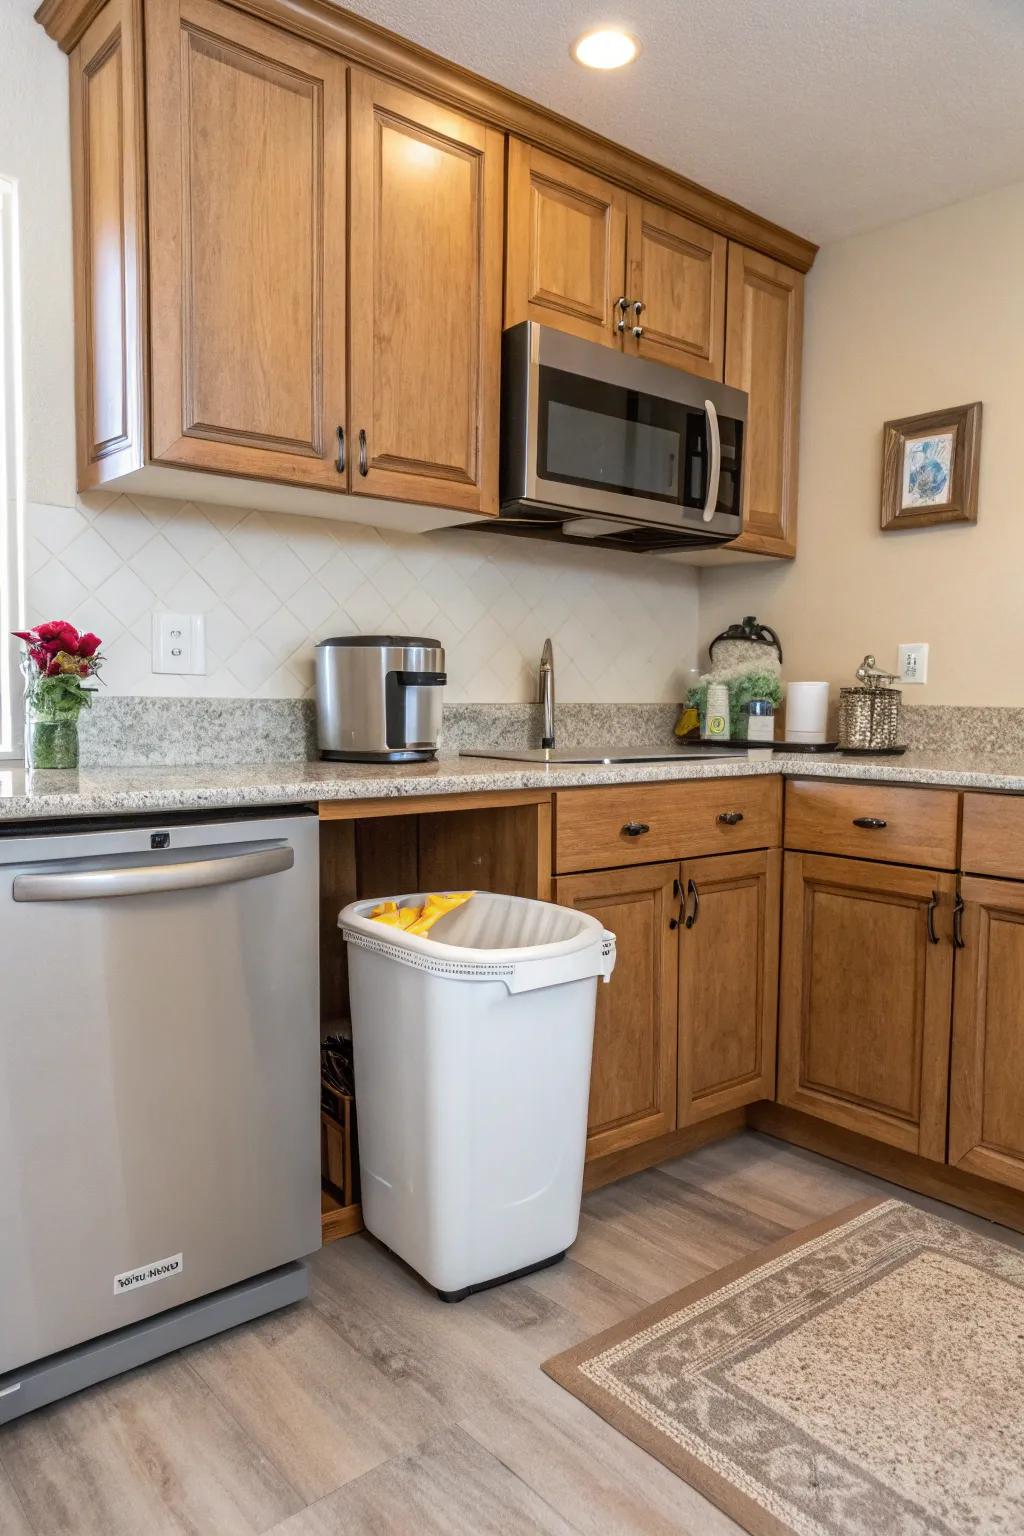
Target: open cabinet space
[(501, 847)]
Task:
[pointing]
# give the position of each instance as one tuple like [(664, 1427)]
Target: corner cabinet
[(763, 344), (986, 1112)]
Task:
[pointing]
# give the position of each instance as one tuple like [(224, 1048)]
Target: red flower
[(52, 667), (61, 631), (84, 669), (88, 644)]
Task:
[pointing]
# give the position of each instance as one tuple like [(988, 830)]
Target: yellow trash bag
[(419, 919)]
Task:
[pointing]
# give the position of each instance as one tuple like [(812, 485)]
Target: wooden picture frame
[(930, 468)]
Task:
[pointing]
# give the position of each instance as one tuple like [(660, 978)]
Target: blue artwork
[(927, 462)]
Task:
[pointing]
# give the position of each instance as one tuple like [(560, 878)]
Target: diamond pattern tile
[(271, 585)]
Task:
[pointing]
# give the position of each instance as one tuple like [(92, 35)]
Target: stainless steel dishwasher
[(159, 1087)]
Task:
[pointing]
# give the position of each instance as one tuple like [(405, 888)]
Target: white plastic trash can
[(472, 1051)]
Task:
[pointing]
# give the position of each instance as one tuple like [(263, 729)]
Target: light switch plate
[(179, 643), (912, 666)]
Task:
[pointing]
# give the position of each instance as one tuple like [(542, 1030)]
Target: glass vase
[(51, 734)]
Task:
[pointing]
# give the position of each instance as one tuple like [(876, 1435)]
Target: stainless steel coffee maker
[(379, 698)]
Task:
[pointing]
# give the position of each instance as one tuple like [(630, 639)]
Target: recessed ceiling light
[(606, 48)]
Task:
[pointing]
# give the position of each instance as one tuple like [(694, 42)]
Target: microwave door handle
[(152, 879), (715, 467)]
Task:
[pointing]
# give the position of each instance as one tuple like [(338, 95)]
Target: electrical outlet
[(912, 666), (179, 642)]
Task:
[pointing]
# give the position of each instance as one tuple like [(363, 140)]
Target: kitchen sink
[(613, 754)]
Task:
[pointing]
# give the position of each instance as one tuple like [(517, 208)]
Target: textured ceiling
[(828, 116)]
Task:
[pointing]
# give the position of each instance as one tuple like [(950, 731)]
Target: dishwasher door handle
[(152, 879)]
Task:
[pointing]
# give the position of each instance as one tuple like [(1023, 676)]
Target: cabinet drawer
[(636, 824), (873, 821), (993, 835)]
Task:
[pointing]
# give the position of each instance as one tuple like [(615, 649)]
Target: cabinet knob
[(730, 818), (871, 822), (635, 828)]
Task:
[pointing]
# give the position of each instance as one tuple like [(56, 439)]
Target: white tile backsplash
[(270, 586)]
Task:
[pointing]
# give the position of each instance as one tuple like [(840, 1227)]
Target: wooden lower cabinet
[(633, 1079), (728, 982), (986, 1111), (866, 993)]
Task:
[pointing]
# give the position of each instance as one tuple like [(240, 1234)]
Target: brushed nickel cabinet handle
[(691, 890), (363, 469), (339, 462), (730, 818), (638, 309), (871, 822), (635, 828), (622, 306), (933, 937)]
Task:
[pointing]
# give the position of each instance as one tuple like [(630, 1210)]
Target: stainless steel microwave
[(628, 452)]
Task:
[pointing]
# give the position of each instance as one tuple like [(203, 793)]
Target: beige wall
[(918, 316)]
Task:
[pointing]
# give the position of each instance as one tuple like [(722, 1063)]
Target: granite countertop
[(119, 791)]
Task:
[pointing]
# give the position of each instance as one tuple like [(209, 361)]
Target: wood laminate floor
[(375, 1408)]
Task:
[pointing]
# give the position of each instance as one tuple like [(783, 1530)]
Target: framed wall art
[(930, 468)]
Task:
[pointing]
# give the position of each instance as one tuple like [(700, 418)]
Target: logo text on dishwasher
[(160, 1269)]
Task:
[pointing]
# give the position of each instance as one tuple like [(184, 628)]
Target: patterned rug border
[(565, 1369)]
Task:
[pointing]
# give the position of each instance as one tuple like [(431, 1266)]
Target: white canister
[(716, 713), (806, 711)]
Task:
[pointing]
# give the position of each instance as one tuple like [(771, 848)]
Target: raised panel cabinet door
[(246, 151), (866, 996), (633, 1076), (565, 260), (677, 274), (986, 1110), (763, 343), (107, 191), (425, 257), (728, 982)]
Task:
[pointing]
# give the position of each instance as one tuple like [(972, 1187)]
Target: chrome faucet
[(547, 694)]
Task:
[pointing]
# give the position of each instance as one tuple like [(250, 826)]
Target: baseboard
[(618, 1165), (924, 1177)]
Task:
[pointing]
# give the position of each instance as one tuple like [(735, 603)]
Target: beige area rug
[(863, 1377)]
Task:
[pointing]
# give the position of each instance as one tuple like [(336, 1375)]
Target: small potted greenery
[(56, 662)]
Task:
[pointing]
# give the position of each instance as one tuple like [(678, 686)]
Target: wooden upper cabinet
[(763, 341), (246, 159), (728, 982), (107, 185), (633, 1077), (677, 274), (566, 246), (426, 221), (986, 1111), (867, 978)]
